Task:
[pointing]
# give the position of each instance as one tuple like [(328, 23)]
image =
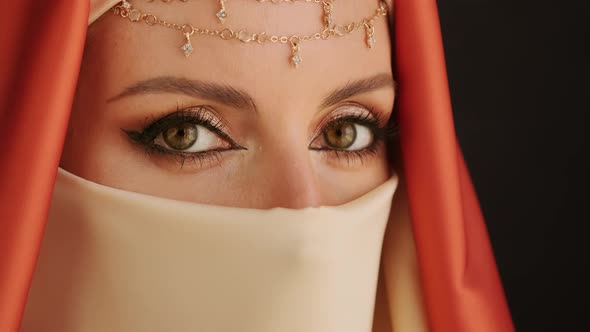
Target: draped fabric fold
[(461, 287), (42, 45)]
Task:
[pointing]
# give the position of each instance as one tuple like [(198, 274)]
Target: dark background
[(520, 83)]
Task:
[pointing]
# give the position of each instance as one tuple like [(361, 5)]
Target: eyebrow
[(223, 94), (233, 97), (357, 87)]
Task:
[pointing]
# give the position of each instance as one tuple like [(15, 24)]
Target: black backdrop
[(520, 84)]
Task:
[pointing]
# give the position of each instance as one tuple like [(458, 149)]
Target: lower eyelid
[(350, 158), (197, 161)]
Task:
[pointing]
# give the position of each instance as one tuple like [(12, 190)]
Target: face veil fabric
[(42, 45), (120, 261)]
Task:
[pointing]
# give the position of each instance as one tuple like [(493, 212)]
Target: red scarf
[(42, 44)]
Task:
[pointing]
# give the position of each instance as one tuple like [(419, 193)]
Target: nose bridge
[(294, 182), (287, 166)]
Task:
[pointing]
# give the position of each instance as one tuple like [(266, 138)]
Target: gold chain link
[(188, 30), (289, 1), (267, 1)]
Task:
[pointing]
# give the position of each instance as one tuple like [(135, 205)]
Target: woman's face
[(234, 124)]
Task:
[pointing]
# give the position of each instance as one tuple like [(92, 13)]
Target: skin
[(276, 168)]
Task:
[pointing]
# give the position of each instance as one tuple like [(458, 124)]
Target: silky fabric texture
[(41, 45), (113, 260), (462, 289), (458, 276)]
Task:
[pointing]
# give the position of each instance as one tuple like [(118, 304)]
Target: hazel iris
[(340, 135), (181, 137)]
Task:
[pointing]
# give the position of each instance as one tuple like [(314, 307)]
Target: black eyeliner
[(383, 130), (193, 115)]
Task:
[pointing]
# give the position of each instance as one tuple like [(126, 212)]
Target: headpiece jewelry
[(127, 10)]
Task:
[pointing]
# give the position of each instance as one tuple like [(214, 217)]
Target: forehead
[(127, 52)]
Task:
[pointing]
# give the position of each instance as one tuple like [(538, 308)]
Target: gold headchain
[(327, 5), (222, 13), (126, 10)]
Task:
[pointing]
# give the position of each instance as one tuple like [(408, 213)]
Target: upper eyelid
[(339, 112), (354, 108), (190, 114), (186, 114)]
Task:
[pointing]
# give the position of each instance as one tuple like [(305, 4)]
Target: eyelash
[(193, 115), (382, 130)]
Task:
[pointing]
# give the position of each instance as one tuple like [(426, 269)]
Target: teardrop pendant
[(295, 56), (125, 4), (222, 13), (328, 7), (370, 34), (187, 48)]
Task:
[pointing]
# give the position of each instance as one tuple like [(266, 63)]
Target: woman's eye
[(346, 136), (189, 137)]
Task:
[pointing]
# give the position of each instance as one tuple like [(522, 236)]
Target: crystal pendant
[(187, 48), (371, 41), (370, 32), (295, 57), (126, 5), (222, 13), (328, 20), (328, 5)]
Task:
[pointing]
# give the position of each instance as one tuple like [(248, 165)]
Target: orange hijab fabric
[(42, 45)]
